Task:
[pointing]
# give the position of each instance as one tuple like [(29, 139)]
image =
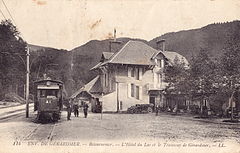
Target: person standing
[(157, 110), (85, 110), (75, 109), (69, 110)]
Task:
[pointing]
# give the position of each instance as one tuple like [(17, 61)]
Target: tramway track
[(43, 132)]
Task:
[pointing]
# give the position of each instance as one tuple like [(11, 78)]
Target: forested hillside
[(213, 38), (72, 67)]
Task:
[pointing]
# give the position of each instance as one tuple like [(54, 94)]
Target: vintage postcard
[(103, 76)]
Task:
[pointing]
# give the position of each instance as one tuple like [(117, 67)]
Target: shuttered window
[(129, 71), (129, 90), (137, 73), (132, 72), (140, 73), (132, 90), (137, 92), (140, 92)]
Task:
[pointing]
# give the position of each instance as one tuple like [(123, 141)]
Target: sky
[(66, 24)]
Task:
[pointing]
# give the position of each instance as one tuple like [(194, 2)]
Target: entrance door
[(152, 100)]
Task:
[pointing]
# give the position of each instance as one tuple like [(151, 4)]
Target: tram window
[(45, 93), (42, 93), (51, 93)]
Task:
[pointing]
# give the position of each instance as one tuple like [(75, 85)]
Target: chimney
[(114, 44), (115, 37), (161, 44)]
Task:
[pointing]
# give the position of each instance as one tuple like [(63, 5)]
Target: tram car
[(48, 99)]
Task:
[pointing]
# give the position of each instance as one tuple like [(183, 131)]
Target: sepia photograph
[(119, 76)]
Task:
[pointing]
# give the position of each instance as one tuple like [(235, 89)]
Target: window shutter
[(140, 73), (129, 90), (129, 71), (140, 92), (136, 73), (162, 63)]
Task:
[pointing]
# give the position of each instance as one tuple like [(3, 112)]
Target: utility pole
[(27, 83), (231, 99), (117, 96), (102, 107)]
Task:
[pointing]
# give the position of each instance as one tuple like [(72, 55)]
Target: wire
[(12, 53), (21, 35), (3, 14), (9, 12), (12, 18)]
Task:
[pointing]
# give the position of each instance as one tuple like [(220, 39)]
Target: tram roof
[(47, 87), (55, 81)]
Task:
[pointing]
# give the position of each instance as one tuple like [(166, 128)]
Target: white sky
[(70, 23)]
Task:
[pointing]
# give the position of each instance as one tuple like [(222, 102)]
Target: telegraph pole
[(27, 83), (117, 97), (102, 107)]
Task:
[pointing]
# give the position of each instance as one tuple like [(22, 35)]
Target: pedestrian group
[(74, 106)]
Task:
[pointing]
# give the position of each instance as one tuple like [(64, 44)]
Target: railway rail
[(43, 132), (13, 112)]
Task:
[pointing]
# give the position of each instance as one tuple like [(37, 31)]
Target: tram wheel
[(56, 117)]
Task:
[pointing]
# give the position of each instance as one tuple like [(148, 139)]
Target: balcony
[(158, 69), (160, 86)]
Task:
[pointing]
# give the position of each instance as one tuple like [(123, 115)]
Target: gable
[(160, 56), (170, 56), (106, 56)]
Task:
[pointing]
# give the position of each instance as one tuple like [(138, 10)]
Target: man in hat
[(85, 109), (75, 109)]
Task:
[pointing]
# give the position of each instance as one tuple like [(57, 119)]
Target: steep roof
[(97, 87), (88, 87), (172, 55), (107, 55), (134, 52), (138, 53)]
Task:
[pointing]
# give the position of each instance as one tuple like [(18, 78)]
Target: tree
[(176, 77), (196, 81), (230, 70), (203, 71), (12, 58)]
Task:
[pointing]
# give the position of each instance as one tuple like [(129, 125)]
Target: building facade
[(133, 75)]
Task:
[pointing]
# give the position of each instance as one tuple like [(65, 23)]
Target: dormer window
[(160, 62)]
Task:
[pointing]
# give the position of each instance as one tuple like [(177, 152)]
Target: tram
[(48, 99)]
